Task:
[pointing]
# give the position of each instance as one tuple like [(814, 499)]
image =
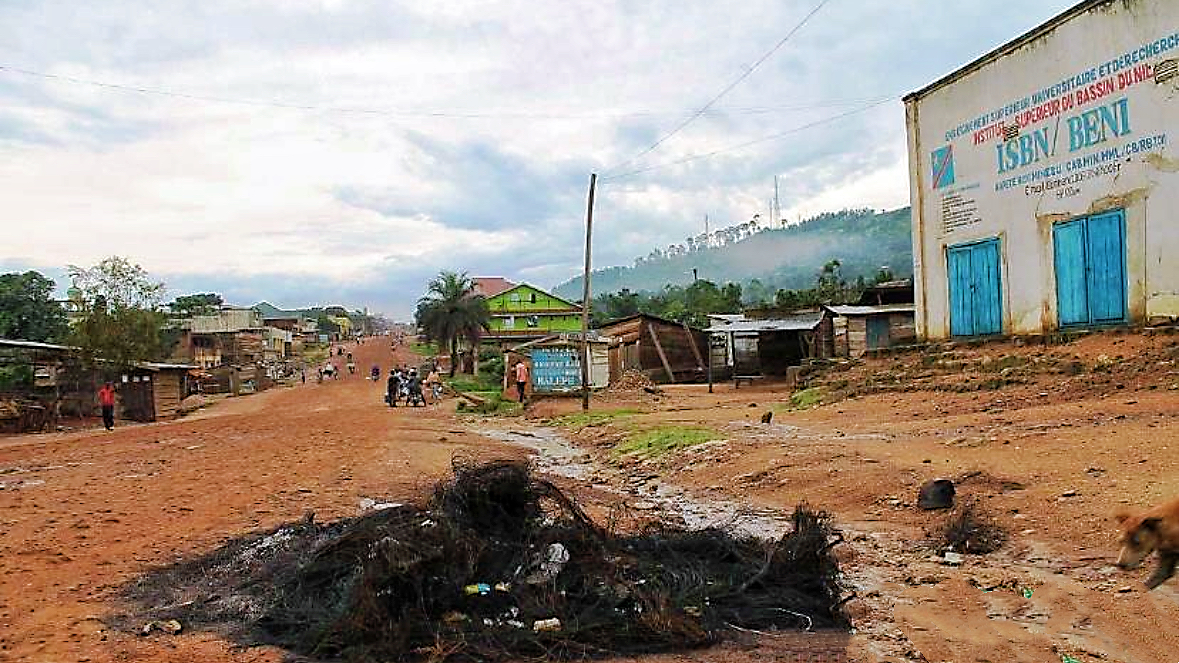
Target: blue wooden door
[(961, 300), (1072, 290), (1090, 257), (1106, 268), (975, 289), (877, 331)]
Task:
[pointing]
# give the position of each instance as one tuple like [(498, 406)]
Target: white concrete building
[(1044, 178)]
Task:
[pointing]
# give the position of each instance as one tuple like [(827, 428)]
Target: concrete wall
[(1096, 133)]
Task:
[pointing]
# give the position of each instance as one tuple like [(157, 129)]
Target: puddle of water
[(557, 455)]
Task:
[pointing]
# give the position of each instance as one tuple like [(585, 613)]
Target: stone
[(936, 494)]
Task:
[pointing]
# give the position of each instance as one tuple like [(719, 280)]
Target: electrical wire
[(728, 88), (748, 110), (755, 141)]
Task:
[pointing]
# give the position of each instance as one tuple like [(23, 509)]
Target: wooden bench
[(747, 379)]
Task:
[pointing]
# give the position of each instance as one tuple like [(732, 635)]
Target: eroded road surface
[(83, 513)]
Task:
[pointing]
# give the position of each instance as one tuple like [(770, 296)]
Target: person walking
[(393, 387), (106, 398), (433, 385), (521, 373)]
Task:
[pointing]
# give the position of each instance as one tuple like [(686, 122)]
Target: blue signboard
[(555, 369)]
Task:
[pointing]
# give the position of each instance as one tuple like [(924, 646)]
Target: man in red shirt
[(106, 398), (521, 371)]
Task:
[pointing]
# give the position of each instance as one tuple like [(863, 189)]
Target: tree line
[(694, 303)]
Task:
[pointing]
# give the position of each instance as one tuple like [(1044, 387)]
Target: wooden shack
[(851, 331), (767, 347), (151, 392), (64, 385), (663, 350)]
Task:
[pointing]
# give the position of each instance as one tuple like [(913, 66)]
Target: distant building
[(524, 313), (1044, 180), (234, 336)]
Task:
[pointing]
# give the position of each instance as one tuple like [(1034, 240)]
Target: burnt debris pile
[(500, 564)]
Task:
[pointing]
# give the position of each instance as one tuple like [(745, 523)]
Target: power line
[(748, 110), (703, 109), (756, 141)]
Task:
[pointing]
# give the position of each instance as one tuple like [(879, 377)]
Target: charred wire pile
[(970, 529), (501, 564)]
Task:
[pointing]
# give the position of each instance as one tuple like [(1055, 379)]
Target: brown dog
[(1144, 533)]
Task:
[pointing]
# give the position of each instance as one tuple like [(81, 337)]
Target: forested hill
[(862, 240)]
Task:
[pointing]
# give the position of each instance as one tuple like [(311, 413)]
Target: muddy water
[(557, 455)]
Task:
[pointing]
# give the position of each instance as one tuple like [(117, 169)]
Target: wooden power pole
[(585, 295)]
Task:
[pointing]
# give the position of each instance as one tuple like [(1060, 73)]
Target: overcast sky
[(384, 141)]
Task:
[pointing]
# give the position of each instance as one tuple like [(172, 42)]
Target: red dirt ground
[(1051, 455)]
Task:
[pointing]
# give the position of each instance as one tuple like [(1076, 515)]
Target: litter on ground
[(500, 564)]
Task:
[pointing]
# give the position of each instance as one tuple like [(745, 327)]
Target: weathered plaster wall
[(1096, 132)]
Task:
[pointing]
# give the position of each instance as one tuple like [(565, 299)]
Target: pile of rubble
[(633, 381)]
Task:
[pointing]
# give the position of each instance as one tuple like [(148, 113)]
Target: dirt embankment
[(1048, 440)]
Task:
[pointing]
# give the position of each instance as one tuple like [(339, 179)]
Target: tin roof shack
[(769, 347), (31, 384), (151, 391), (1044, 178), (851, 331), (525, 313), (554, 365), (664, 350), (60, 384)]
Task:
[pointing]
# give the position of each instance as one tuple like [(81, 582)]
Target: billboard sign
[(555, 370)]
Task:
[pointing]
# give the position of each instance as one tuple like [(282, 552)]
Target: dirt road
[(83, 513), (1051, 456)]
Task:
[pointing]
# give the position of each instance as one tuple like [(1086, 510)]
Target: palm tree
[(451, 312)]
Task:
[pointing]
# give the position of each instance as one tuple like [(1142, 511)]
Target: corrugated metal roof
[(648, 316), (801, 322), (35, 345), (869, 310), (490, 286), (157, 366)]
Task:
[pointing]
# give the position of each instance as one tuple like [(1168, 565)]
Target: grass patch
[(471, 383), (665, 439), (805, 399), (424, 349), (587, 419)]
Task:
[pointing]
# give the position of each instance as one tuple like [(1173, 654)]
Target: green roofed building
[(524, 313)]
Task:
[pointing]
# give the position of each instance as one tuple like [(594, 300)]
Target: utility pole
[(706, 227), (585, 295), (777, 204)]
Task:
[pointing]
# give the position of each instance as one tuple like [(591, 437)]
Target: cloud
[(411, 136)]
